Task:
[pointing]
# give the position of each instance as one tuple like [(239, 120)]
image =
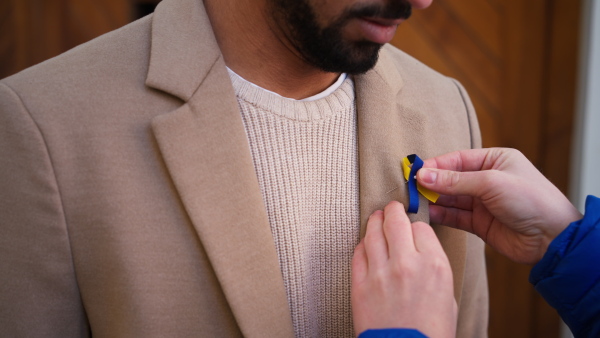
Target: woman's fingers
[(425, 240), (359, 263), (466, 160), (375, 242), (397, 229), (451, 217)]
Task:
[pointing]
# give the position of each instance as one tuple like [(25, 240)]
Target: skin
[(257, 47), (401, 277), (498, 195)]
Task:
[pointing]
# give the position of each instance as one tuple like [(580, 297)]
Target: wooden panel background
[(516, 58)]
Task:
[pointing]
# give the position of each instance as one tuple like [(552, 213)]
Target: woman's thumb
[(448, 182)]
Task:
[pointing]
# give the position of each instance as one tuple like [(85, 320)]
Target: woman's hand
[(498, 195), (401, 277)]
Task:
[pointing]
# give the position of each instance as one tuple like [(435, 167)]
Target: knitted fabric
[(306, 160)]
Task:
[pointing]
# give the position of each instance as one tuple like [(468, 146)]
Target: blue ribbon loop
[(413, 192)]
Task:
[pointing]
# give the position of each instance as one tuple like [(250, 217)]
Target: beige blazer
[(129, 205)]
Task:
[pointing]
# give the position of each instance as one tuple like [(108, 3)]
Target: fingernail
[(427, 176)]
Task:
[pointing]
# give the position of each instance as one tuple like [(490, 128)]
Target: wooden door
[(517, 59), (32, 31)]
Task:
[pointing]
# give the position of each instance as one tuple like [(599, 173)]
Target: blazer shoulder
[(100, 79), (442, 97), (415, 72)]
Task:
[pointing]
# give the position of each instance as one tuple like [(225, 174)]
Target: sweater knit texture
[(306, 159)]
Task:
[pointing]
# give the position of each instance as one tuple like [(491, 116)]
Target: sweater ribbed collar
[(340, 100)]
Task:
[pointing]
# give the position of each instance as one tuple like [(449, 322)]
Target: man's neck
[(255, 48)]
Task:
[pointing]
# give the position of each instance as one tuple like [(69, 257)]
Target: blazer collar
[(385, 137), (205, 149), (183, 47), (386, 72)]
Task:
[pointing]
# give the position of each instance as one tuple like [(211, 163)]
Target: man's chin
[(357, 60)]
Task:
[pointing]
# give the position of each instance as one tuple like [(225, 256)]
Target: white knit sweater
[(306, 159)]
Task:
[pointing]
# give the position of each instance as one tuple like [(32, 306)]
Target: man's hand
[(401, 277), (498, 195)]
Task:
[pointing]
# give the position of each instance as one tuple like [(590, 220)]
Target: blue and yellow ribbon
[(411, 164)]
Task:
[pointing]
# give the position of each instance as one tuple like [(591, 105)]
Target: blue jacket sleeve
[(392, 333), (568, 276)]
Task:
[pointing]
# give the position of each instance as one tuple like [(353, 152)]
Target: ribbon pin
[(411, 164)]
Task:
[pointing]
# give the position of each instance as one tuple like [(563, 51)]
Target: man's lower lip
[(376, 32)]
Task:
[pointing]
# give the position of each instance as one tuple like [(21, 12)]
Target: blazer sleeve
[(476, 142), (473, 315), (38, 288)]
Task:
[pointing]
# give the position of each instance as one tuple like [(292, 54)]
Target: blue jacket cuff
[(568, 276), (392, 333)]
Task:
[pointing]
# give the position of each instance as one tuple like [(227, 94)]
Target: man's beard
[(325, 48)]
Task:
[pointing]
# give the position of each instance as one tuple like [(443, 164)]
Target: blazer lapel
[(388, 130), (206, 151), (384, 138)]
